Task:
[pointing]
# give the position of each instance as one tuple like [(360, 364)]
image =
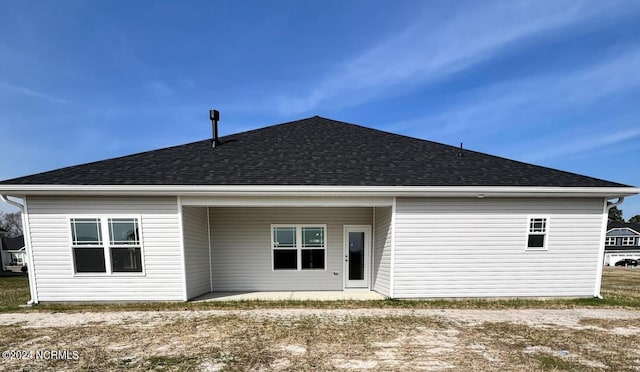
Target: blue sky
[(554, 83)]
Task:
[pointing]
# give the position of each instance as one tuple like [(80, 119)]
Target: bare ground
[(580, 339)]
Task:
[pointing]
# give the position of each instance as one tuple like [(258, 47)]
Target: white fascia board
[(287, 201), (291, 190)]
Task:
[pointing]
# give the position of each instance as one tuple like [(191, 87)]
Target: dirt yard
[(520, 335), (326, 339)]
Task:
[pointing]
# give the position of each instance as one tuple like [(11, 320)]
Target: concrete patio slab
[(292, 296)]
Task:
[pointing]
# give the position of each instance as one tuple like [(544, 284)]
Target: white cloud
[(517, 102), (584, 144), (32, 93), (435, 46)]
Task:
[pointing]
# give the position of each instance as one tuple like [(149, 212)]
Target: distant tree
[(12, 223), (615, 215), (635, 219)]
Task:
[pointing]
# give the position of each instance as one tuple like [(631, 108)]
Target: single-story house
[(13, 253), (622, 241), (314, 205)]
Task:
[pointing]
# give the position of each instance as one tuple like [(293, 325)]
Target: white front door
[(357, 256)]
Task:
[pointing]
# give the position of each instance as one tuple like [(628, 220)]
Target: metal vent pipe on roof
[(214, 116)]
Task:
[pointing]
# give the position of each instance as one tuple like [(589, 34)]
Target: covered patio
[(286, 249)]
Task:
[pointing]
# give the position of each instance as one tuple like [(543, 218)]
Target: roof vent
[(214, 116), (460, 154)]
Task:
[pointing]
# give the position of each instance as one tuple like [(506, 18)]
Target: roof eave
[(303, 190)]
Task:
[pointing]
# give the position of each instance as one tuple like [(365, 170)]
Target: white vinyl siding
[(477, 247), (382, 250), (242, 247), (196, 250), (52, 255)]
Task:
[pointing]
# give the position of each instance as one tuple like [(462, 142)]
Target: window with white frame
[(537, 233), (88, 247), (91, 251), (17, 258), (298, 247), (628, 240), (610, 240), (124, 243)]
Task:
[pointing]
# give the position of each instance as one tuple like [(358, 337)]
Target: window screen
[(89, 260), (285, 259), (126, 260)]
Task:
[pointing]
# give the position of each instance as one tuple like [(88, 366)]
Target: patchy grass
[(619, 288), (14, 291), (553, 363), (611, 323), (326, 342), (559, 348), (621, 285), (168, 363)]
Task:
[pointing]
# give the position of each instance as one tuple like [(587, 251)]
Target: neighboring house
[(622, 241), (314, 204), (13, 253), (3, 233)]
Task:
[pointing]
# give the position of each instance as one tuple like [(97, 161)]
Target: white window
[(610, 240), (123, 248), (537, 233), (17, 258), (87, 245), (298, 247), (124, 242), (628, 240)]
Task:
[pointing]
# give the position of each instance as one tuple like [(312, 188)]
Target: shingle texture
[(13, 244), (313, 151), (622, 225)]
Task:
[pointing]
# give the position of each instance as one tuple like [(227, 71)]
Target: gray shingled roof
[(13, 244), (622, 225), (313, 151)]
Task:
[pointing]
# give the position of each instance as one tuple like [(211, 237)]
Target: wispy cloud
[(32, 93), (585, 144), (435, 46), (506, 104)]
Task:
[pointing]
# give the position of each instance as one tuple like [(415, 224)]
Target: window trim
[(545, 242), (298, 246), (610, 239), (628, 241), (119, 244), (106, 245), (14, 261), (73, 247)]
